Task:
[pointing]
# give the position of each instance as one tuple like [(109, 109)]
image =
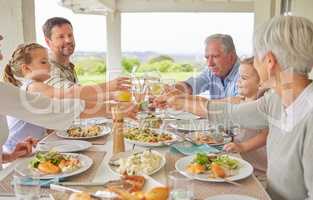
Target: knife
[(68, 189), (90, 183), (11, 194)]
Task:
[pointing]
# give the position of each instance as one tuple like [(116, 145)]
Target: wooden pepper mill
[(117, 130)]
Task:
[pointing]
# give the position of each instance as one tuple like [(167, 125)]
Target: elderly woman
[(283, 56)]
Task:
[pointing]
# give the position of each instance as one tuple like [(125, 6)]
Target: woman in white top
[(43, 111), (284, 57)]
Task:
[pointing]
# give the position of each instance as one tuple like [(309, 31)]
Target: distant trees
[(162, 63), (90, 66), (129, 63), (161, 58)]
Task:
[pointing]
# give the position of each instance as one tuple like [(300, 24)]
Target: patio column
[(114, 49), (17, 22), (303, 8), (263, 10)]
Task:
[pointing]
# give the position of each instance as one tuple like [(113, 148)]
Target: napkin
[(188, 148), (41, 182)]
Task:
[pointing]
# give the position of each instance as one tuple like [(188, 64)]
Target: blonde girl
[(250, 143), (28, 68)]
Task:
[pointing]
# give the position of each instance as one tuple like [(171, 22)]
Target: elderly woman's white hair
[(290, 39)]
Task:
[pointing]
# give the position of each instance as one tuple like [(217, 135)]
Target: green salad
[(54, 157), (223, 161)]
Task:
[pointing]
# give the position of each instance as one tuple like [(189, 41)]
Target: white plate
[(128, 153), (156, 144), (191, 125), (245, 170), (181, 115), (149, 184), (230, 197), (64, 146), (193, 136), (104, 131), (92, 121), (24, 168)]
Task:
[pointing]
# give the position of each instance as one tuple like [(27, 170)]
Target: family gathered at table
[(268, 96)]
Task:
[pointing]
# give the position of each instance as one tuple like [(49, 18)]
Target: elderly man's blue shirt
[(210, 86)]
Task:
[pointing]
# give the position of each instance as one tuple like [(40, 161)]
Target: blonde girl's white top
[(36, 109)]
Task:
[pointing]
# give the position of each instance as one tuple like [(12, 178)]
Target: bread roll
[(80, 196), (157, 193)]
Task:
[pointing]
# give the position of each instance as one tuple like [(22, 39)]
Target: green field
[(93, 79)]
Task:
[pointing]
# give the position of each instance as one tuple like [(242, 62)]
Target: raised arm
[(245, 115), (90, 92), (96, 92), (52, 113)]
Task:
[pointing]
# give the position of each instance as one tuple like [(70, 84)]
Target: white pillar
[(29, 23), (17, 22), (263, 11), (114, 49), (303, 8)]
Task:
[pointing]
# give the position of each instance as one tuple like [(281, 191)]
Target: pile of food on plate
[(89, 131), (151, 121), (215, 166), (54, 163), (146, 135), (142, 162), (156, 193), (208, 138), (130, 187)]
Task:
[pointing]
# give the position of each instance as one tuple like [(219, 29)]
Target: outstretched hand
[(120, 83), (162, 101), (23, 148)]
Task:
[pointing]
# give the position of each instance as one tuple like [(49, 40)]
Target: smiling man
[(59, 37), (219, 79)]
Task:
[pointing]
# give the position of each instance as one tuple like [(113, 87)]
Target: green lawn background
[(94, 79)]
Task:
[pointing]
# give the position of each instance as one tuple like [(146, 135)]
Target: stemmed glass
[(168, 84)]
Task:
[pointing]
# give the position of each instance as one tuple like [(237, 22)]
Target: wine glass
[(181, 187), (168, 84)]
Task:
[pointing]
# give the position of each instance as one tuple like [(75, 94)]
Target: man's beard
[(68, 51)]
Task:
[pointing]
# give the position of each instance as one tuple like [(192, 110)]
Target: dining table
[(101, 152)]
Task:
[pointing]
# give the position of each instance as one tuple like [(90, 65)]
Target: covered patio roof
[(104, 6), (113, 9), (18, 17)]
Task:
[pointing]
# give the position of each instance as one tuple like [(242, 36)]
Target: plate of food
[(214, 168), (145, 162), (85, 132), (211, 138), (150, 121), (54, 165), (133, 187), (191, 125), (92, 121), (64, 146), (231, 197), (148, 137), (182, 115)]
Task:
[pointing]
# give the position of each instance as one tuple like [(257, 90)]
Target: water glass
[(26, 188), (181, 187)]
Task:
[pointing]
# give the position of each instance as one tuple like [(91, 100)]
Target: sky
[(176, 33)]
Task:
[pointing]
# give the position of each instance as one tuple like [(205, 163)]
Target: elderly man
[(219, 79)]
